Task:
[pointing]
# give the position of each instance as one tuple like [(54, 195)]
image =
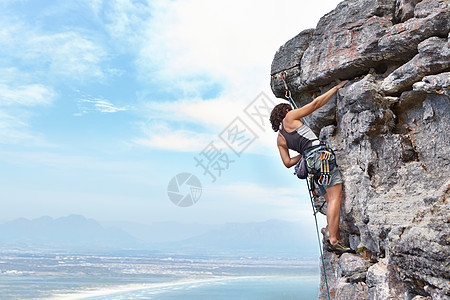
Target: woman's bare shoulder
[(291, 124)]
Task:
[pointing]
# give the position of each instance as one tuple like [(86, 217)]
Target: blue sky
[(103, 102)]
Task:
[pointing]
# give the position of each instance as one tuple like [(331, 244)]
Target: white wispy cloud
[(125, 19), (16, 130), (213, 113), (68, 53), (190, 40), (35, 57), (190, 125), (16, 101), (160, 135), (95, 5), (26, 95), (179, 140), (102, 105), (228, 40)]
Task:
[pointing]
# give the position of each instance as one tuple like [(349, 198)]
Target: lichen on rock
[(390, 131)]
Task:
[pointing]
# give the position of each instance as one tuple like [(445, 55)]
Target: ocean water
[(245, 288), (64, 276)]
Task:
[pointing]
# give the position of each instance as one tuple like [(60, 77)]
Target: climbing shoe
[(338, 248)]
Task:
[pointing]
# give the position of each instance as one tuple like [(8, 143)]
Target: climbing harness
[(327, 161), (324, 176), (321, 161)]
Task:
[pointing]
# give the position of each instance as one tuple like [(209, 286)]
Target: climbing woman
[(295, 135)]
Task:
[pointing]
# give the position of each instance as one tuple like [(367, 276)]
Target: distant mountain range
[(274, 236), (75, 232)]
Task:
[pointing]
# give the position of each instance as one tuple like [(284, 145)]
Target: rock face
[(391, 133)]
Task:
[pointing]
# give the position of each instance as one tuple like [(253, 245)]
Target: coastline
[(123, 288)]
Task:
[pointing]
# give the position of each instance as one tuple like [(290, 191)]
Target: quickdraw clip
[(324, 178)]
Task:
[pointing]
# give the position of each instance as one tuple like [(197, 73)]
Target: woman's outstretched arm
[(297, 114)]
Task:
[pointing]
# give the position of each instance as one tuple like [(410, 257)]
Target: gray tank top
[(300, 139)]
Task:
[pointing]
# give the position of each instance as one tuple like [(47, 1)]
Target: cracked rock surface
[(390, 131)]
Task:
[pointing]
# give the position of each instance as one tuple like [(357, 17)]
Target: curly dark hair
[(278, 114)]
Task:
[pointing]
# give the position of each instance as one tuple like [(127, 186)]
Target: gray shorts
[(313, 160)]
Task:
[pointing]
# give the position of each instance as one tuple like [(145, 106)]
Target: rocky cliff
[(390, 129)]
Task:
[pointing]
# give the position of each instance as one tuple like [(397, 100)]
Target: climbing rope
[(288, 96), (311, 197)]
